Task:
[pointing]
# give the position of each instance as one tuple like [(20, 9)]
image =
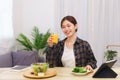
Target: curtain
[(6, 29), (98, 22)]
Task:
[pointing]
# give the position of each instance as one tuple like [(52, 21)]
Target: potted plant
[(110, 55), (38, 42)]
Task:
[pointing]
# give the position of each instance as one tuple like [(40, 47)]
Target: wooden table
[(62, 74)]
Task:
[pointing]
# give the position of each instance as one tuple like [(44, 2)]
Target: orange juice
[(55, 38)]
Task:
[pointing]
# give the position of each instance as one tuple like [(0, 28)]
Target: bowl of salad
[(40, 68)]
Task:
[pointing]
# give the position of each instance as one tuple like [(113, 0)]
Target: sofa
[(22, 57)]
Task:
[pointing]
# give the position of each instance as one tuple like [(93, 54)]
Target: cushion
[(5, 60), (25, 58), (5, 52)]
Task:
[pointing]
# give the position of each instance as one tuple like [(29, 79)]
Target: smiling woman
[(71, 51)]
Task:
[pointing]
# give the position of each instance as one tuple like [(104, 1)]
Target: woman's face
[(68, 28)]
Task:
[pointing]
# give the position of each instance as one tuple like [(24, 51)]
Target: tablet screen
[(110, 63)]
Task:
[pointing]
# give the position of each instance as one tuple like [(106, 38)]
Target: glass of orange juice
[(55, 38)]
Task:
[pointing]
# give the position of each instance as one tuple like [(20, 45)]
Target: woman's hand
[(50, 41), (88, 67)]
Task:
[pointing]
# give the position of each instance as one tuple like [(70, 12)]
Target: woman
[(71, 51)]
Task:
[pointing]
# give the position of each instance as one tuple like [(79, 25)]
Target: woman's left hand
[(88, 67)]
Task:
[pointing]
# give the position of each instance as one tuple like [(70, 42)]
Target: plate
[(81, 74), (50, 73)]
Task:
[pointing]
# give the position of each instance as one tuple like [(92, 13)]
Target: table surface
[(62, 74)]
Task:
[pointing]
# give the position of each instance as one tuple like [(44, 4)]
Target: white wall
[(30, 13)]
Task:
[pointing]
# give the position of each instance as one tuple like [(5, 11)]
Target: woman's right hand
[(50, 41)]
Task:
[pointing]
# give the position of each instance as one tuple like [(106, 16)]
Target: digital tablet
[(105, 71), (19, 67)]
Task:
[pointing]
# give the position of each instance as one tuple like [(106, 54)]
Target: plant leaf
[(25, 41)]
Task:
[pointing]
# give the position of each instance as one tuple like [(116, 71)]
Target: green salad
[(79, 70), (40, 67)]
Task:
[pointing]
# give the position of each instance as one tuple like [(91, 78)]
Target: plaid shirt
[(82, 51)]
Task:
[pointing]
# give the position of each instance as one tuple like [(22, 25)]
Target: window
[(6, 29)]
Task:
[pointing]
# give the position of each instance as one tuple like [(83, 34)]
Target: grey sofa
[(11, 59)]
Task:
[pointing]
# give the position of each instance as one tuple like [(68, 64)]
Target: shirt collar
[(78, 40)]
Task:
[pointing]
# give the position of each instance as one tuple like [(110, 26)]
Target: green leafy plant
[(110, 54), (25, 42), (39, 40)]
